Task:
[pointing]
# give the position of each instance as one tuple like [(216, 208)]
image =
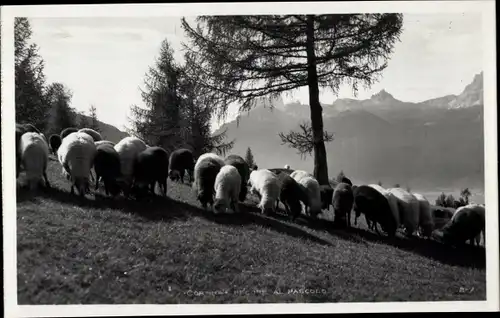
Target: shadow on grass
[(466, 256), (158, 208)]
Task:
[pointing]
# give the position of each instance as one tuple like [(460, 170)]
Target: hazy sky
[(103, 60)]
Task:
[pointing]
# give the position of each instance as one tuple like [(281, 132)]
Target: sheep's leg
[(47, 184), (236, 205), (376, 227), (72, 189), (96, 182), (182, 176)]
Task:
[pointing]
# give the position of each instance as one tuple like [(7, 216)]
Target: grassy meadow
[(99, 250)]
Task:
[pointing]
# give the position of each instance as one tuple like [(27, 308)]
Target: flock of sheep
[(134, 168)]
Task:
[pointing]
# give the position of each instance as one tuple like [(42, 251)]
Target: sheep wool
[(34, 157), (104, 142), (426, 221), (227, 189), (391, 199), (299, 174), (314, 193), (477, 209), (206, 169), (265, 184), (409, 209), (128, 148), (92, 133), (76, 154)]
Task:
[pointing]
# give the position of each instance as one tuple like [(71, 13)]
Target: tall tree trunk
[(320, 162)]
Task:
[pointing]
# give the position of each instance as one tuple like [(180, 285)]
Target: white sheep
[(426, 221), (299, 174), (479, 209), (409, 209), (314, 193), (34, 157), (76, 154), (466, 224), (92, 133), (307, 180), (393, 202), (128, 148), (227, 189), (267, 186), (104, 142)]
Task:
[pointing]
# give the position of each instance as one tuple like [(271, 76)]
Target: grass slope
[(102, 251)]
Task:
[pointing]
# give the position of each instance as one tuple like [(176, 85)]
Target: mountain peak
[(382, 95)]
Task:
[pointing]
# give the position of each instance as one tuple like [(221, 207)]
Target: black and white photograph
[(308, 156)]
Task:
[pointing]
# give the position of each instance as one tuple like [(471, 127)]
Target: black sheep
[(346, 180), (326, 196), (55, 142), (243, 169), (291, 194), (151, 166), (343, 200), (180, 161), (375, 207), (107, 166), (205, 174), (65, 132)]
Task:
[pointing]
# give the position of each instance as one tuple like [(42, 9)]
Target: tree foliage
[(93, 122), (31, 102), (243, 58), (303, 140), (59, 98), (249, 157), (177, 113)]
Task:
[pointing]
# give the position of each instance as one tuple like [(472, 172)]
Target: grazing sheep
[(267, 186), (34, 157), (151, 166), (92, 133), (343, 200), (441, 216), (313, 192), (76, 154), (65, 132), (104, 142), (31, 128), (346, 180), (393, 202), (375, 207), (20, 130), (326, 192), (227, 189), (128, 148), (426, 222), (107, 167), (243, 169), (467, 223), (180, 161), (55, 143), (291, 194), (206, 169), (409, 209), (299, 174), (308, 181)]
